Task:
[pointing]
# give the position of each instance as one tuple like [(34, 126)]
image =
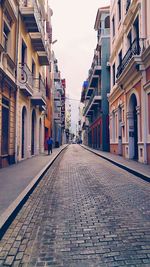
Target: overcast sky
[(73, 27)]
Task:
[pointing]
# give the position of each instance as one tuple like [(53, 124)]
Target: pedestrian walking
[(50, 144)]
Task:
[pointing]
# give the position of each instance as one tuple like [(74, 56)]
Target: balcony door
[(24, 132), (133, 128), (136, 28), (119, 131), (5, 126), (33, 132), (40, 136), (23, 53)]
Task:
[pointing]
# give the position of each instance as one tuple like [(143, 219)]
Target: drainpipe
[(17, 92), (143, 96), (144, 118)]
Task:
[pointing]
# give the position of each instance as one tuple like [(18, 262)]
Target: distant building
[(129, 99), (58, 92)]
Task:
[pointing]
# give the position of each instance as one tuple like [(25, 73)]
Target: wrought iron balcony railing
[(25, 75), (95, 93), (39, 86), (136, 48)]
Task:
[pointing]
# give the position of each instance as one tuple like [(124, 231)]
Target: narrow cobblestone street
[(85, 212)]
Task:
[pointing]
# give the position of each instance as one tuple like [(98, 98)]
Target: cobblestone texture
[(85, 212)]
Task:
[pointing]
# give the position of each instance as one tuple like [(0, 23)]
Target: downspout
[(143, 95), (17, 92)]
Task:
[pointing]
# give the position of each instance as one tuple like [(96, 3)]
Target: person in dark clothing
[(50, 145)]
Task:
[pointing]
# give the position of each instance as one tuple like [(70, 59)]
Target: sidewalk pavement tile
[(142, 169), (15, 178)]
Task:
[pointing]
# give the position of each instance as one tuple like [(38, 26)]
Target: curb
[(124, 167), (10, 213)]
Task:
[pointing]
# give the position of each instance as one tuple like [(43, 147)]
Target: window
[(119, 9), (7, 26), (114, 73), (129, 38), (116, 126), (107, 22), (5, 126), (120, 57), (23, 53), (113, 26), (33, 69), (6, 36), (136, 28), (113, 126)]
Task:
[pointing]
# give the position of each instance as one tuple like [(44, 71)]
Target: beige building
[(129, 99), (33, 56), (25, 46), (8, 88)]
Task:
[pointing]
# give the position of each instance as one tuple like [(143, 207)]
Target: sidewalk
[(17, 180), (139, 169)]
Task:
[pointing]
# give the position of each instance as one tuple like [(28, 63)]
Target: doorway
[(24, 132), (119, 131), (133, 128), (33, 131), (40, 136)]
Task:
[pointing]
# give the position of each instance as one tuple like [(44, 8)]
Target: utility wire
[(72, 99)]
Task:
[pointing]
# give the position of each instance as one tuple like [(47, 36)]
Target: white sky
[(73, 27)]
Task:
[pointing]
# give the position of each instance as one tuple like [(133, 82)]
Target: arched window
[(107, 22)]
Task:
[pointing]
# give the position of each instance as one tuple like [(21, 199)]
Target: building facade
[(48, 112), (33, 56), (98, 85), (129, 99), (8, 80), (25, 52), (58, 92)]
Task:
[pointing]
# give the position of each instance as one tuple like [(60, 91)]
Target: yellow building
[(8, 88), (33, 56), (129, 100)]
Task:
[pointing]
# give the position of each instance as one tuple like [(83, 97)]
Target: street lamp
[(55, 41)]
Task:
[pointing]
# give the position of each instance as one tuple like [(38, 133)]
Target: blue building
[(94, 95)]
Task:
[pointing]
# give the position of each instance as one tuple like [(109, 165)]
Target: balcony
[(57, 96), (102, 33), (58, 104), (39, 93), (31, 16), (94, 101), (57, 116), (56, 76), (94, 74), (135, 50), (37, 41), (59, 87), (97, 70), (43, 58), (25, 79)]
